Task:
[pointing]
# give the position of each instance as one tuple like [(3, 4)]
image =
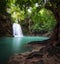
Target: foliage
[(18, 6), (15, 11), (43, 20), (2, 6)]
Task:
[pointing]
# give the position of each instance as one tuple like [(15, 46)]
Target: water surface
[(14, 45)]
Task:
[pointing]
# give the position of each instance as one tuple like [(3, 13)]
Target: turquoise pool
[(13, 45)]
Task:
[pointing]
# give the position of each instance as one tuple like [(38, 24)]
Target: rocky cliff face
[(5, 26)]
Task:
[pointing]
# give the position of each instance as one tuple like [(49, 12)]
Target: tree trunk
[(55, 35)]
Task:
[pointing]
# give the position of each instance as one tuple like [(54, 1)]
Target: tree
[(25, 4), (54, 6)]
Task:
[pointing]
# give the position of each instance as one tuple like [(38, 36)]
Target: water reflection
[(16, 44)]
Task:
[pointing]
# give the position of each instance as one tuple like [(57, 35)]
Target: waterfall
[(17, 31)]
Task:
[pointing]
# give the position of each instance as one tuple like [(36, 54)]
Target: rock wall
[(5, 26)]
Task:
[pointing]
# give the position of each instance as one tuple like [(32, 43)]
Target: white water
[(17, 31)]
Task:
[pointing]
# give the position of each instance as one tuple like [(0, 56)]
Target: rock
[(5, 26)]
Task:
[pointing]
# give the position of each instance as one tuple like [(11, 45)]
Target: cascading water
[(17, 31)]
